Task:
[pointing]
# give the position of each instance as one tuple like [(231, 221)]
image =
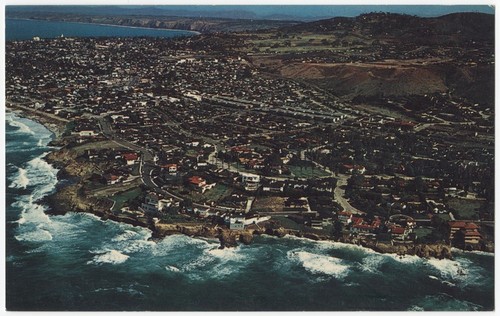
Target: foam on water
[(226, 254), (40, 178), (172, 269), (443, 302), (13, 121), (21, 180), (372, 263), (38, 235), (31, 212), (111, 256), (43, 175), (320, 264), (128, 234), (448, 269), (172, 243)]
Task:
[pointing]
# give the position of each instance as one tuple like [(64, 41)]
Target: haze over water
[(17, 29), (78, 262)]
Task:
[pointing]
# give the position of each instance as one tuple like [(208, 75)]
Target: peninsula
[(375, 130)]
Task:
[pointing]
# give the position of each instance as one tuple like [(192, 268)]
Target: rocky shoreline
[(70, 197), (57, 127)]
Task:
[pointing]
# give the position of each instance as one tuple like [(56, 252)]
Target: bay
[(78, 262), (20, 29)]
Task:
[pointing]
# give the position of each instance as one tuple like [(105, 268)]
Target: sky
[(298, 12)]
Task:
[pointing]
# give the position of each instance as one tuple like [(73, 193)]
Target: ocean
[(79, 262), (19, 29)]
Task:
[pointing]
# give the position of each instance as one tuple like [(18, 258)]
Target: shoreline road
[(339, 193)]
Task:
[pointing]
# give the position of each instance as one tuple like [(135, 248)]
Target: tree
[(337, 230), (417, 185), (459, 239)]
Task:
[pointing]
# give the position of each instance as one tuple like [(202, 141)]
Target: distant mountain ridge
[(266, 12), (461, 26)]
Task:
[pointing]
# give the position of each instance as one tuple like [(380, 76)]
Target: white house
[(250, 181)]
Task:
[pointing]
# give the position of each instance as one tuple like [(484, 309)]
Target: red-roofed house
[(172, 167), (197, 181), (200, 184), (131, 158), (399, 233), (360, 226), (344, 217), (472, 235)]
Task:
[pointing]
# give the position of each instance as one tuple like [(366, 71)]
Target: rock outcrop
[(439, 251)]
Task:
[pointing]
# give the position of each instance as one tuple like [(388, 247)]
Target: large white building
[(250, 181)]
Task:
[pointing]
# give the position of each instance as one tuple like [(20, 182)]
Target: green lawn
[(422, 231), (135, 170), (121, 198), (465, 209), (217, 193), (445, 217), (105, 144), (307, 172), (287, 223)]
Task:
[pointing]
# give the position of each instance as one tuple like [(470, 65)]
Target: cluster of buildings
[(221, 134)]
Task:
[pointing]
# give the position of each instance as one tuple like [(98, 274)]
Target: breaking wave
[(321, 264), (21, 180), (443, 302), (111, 256), (38, 235), (13, 121)]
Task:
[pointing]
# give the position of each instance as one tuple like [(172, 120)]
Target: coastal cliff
[(227, 238), (73, 197)]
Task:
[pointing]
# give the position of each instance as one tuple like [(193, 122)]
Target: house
[(472, 235), (255, 219), (131, 158), (87, 133), (151, 203), (398, 233), (317, 223), (344, 217), (250, 181), (354, 169), (171, 168), (197, 181), (361, 226), (274, 187), (111, 178), (235, 222), (199, 184)]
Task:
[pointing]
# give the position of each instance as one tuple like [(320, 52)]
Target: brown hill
[(452, 28), (351, 80)]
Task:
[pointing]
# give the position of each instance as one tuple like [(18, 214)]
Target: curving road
[(339, 193)]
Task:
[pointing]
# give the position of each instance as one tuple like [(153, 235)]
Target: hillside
[(451, 28), (382, 54), (199, 24)]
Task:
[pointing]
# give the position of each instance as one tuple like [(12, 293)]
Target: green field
[(111, 190), (287, 223), (465, 209), (105, 144), (445, 217), (217, 193), (121, 198), (422, 231), (307, 172)]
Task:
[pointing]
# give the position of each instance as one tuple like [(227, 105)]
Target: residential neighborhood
[(174, 132)]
